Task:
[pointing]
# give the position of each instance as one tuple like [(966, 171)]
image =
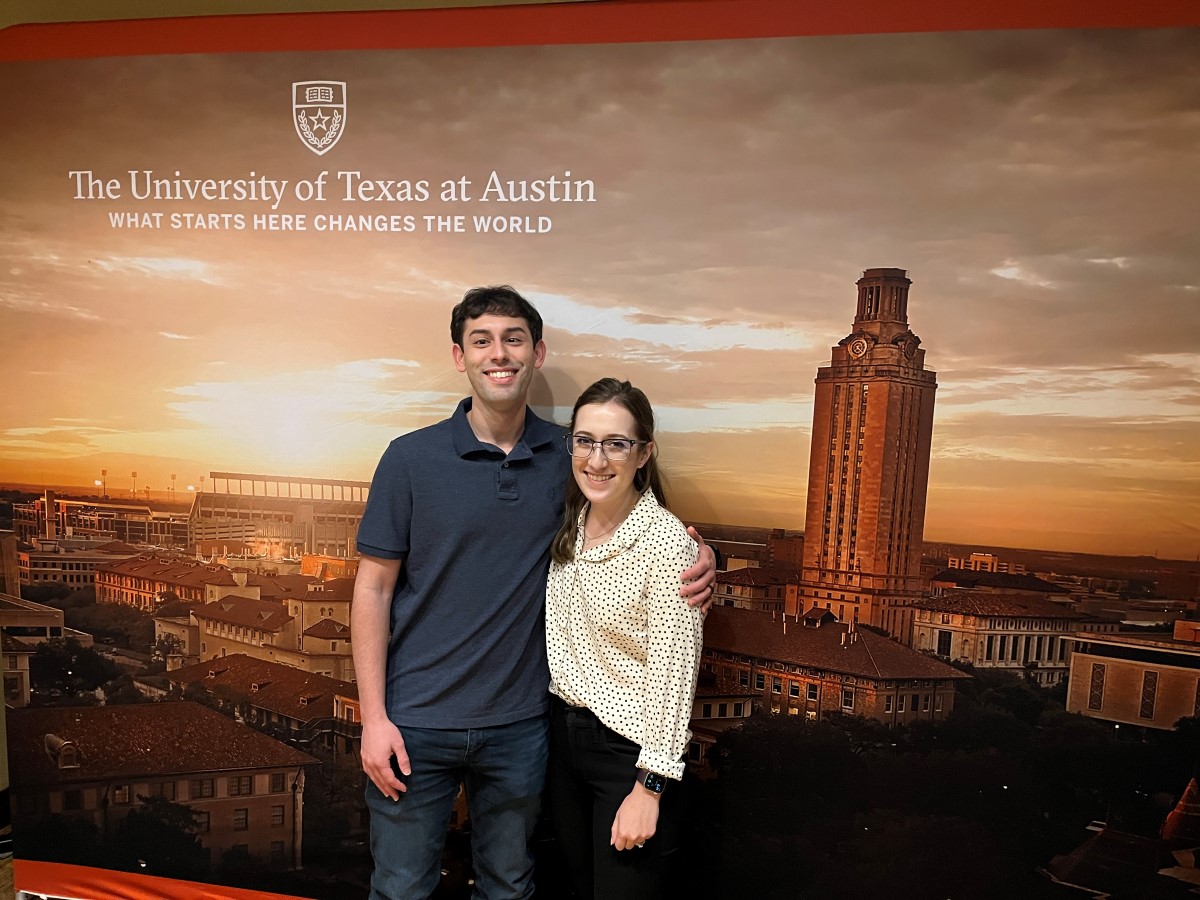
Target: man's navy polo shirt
[(473, 527)]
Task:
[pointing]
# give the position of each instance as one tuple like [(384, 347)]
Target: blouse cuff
[(656, 762)]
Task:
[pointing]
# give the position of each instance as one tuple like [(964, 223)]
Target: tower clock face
[(858, 347)]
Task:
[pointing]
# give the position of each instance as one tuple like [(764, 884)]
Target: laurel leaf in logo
[(330, 136)]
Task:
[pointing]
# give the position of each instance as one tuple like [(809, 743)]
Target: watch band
[(651, 781)]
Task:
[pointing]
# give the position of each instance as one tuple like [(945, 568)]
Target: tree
[(166, 645), (172, 606), (67, 665), (123, 624), (159, 838), (122, 691), (46, 594)]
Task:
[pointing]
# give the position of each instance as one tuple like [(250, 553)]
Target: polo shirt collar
[(640, 518), (537, 433)]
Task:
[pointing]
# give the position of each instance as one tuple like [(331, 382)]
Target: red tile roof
[(313, 590), (142, 739), (280, 687), (168, 569), (865, 653), (329, 630), (989, 603), (264, 615), (819, 615), (176, 569)]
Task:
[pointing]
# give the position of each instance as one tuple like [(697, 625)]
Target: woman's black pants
[(592, 770)]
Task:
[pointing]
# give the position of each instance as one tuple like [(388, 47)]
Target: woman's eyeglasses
[(615, 449)]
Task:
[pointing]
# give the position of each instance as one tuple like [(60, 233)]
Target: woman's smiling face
[(607, 483)]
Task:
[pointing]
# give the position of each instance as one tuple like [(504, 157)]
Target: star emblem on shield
[(319, 113)]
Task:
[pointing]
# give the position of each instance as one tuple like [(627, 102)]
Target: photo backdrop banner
[(245, 261)]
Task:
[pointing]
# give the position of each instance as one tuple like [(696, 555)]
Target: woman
[(623, 653)]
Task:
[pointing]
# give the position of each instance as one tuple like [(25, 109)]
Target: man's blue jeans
[(502, 770)]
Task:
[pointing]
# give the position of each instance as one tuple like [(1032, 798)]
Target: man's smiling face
[(499, 357)]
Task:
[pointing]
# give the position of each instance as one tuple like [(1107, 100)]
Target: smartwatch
[(651, 781)]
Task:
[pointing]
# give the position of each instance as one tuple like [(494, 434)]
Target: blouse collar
[(640, 518)]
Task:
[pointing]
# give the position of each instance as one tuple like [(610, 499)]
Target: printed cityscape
[(224, 621)]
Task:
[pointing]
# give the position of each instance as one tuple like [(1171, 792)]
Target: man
[(449, 640)]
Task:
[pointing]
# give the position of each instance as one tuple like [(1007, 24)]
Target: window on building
[(794, 689), (120, 794), (276, 816), (811, 692), (848, 698), (706, 712), (776, 685), (887, 703), (200, 821), (241, 819), (760, 681), (1003, 652), (722, 710), (737, 709), (693, 751), (277, 852), (943, 642), (278, 782), (241, 785), (1149, 694), (1096, 687), (924, 703), (899, 703), (200, 788), (72, 800), (937, 702), (743, 678)]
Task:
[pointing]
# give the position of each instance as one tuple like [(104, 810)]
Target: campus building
[(158, 523), (70, 562), (280, 516), (984, 562), (274, 630), (813, 665), (869, 464), (1015, 632), (144, 580), (95, 763), (23, 626), (720, 704), (1138, 680), (301, 708), (753, 587)]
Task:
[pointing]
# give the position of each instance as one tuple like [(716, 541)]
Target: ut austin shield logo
[(319, 113)]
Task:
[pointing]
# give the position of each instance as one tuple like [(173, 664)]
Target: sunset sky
[(1040, 188)]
